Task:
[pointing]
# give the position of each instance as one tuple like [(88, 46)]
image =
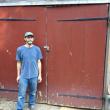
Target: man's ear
[(24, 39)]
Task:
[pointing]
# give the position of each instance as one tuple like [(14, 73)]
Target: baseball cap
[(28, 34)]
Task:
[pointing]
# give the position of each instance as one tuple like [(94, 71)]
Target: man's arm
[(39, 70), (18, 70)]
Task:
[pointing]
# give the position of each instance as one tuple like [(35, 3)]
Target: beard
[(29, 42)]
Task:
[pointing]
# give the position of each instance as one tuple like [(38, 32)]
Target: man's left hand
[(39, 79)]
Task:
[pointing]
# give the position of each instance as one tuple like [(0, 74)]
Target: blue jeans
[(22, 87)]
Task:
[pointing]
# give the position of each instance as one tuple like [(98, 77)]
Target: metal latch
[(47, 48)]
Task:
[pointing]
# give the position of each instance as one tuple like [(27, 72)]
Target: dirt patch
[(9, 105)]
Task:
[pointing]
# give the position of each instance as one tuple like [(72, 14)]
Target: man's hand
[(18, 70), (40, 75), (39, 79), (17, 79)]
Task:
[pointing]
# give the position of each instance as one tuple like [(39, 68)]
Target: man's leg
[(32, 91), (22, 87)]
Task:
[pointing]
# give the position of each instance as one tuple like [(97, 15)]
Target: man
[(28, 58)]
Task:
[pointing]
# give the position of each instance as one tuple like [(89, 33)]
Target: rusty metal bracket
[(17, 19), (8, 90), (80, 96), (84, 19)]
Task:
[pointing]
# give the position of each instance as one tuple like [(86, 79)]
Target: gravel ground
[(9, 105)]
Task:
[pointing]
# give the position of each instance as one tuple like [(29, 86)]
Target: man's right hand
[(17, 79)]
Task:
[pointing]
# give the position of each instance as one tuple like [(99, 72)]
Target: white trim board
[(54, 2)]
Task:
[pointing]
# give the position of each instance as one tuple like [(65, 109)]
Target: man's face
[(29, 39)]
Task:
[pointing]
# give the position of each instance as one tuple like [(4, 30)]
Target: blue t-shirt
[(29, 58)]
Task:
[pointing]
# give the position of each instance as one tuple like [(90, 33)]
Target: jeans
[(22, 87)]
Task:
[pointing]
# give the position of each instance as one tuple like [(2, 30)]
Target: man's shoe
[(32, 107)]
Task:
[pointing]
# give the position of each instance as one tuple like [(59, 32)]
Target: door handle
[(47, 48)]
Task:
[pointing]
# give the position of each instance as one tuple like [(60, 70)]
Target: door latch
[(47, 48)]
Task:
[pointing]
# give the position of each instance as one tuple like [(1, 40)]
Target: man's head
[(27, 34), (29, 37)]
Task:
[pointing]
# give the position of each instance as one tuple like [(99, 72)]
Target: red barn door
[(77, 41)]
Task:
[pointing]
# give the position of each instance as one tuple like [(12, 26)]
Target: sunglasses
[(29, 37)]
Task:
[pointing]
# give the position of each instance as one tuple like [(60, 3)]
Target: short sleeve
[(39, 54), (18, 56)]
